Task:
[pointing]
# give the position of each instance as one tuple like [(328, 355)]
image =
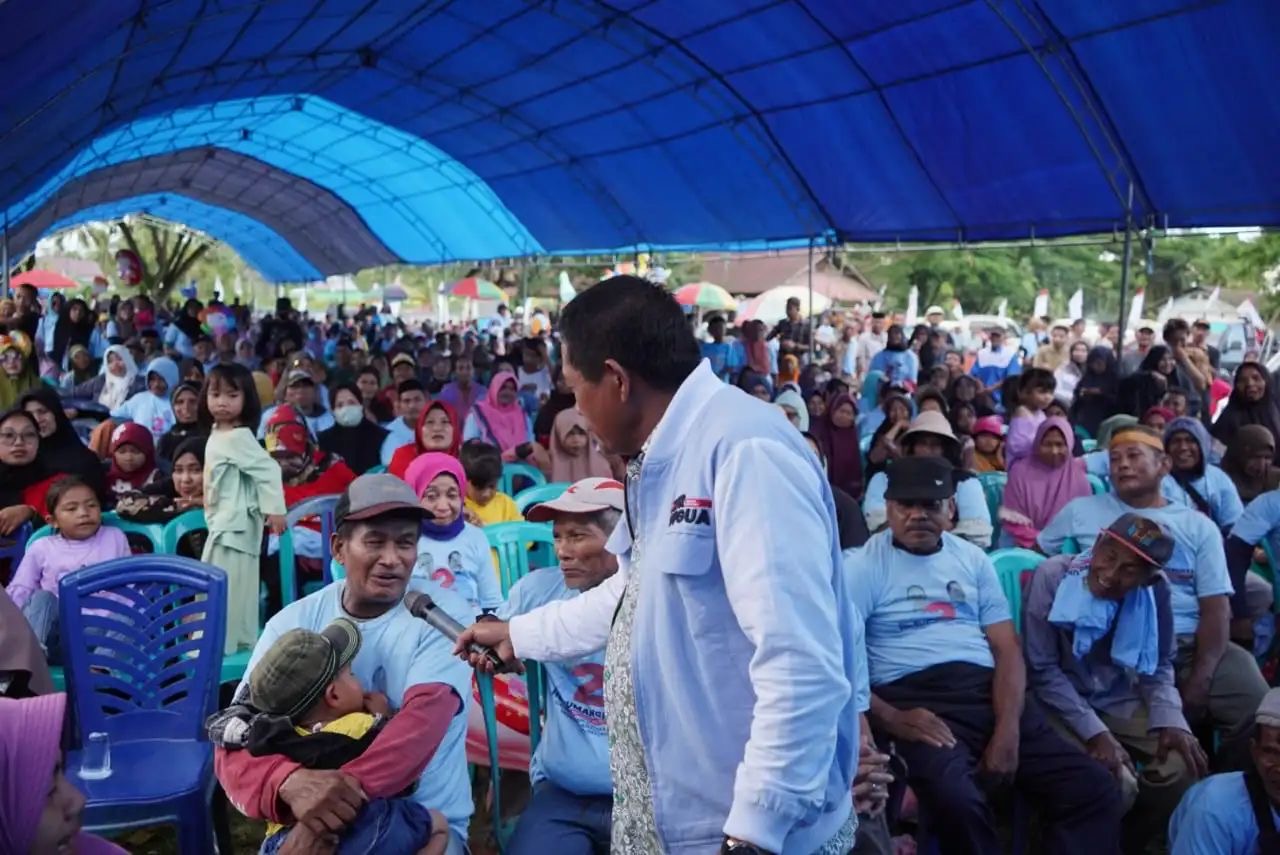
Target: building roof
[(754, 274)]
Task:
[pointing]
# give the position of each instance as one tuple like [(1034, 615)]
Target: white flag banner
[(913, 306), (1135, 308), (1002, 312), (957, 311), (1215, 294), (1041, 307), (1247, 311), (1075, 306), (566, 288)]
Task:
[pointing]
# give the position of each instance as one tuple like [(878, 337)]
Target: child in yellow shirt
[(485, 502)]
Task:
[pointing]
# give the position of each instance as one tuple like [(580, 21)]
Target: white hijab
[(116, 390)]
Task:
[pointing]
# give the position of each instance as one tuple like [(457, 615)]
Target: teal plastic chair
[(488, 706), (1070, 546), (512, 540), (993, 484), (542, 493), (1011, 567), (535, 683), (153, 532), (1096, 484), (376, 470), (316, 506), (179, 527), (513, 471), (1088, 445)]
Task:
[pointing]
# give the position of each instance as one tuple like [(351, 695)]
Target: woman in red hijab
[(133, 459), (438, 430)]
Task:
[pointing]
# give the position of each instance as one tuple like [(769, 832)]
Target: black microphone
[(421, 606)]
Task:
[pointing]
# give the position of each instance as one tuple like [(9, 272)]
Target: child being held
[(485, 503), (314, 711), (80, 540), (988, 444), (450, 550)]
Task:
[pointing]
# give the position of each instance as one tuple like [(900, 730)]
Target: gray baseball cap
[(372, 496)]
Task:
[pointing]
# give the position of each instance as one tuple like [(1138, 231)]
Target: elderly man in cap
[(1098, 637), (300, 393), (948, 683), (376, 539), (930, 435), (1236, 813), (573, 790), (1216, 678)]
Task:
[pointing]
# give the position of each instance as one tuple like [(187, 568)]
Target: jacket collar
[(693, 394)]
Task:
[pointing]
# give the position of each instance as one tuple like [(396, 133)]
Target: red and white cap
[(582, 497)]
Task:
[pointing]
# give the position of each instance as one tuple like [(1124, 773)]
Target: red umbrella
[(475, 288), (43, 279)]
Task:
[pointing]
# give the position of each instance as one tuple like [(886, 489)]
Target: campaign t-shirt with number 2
[(574, 751)]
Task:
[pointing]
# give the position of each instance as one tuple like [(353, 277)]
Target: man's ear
[(619, 377)]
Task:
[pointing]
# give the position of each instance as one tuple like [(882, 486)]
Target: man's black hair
[(481, 462), (1174, 326), (637, 324), (1037, 378), (409, 385), (369, 369)]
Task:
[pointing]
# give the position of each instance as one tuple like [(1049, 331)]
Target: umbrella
[(771, 306), (475, 288), (705, 295), (43, 279)]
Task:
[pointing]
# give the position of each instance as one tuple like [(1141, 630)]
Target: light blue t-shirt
[(924, 610), (574, 751), (398, 434), (1197, 569), (398, 651), (148, 409), (463, 564), (898, 366), (725, 357), (1215, 818), (1260, 520), (1216, 488)]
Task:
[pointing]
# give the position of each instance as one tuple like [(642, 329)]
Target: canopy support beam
[(812, 344), (1124, 270), (4, 254)]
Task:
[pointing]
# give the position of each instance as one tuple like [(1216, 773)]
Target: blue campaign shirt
[(1216, 488), (898, 366), (148, 409), (1197, 569), (723, 357), (991, 367), (1215, 818), (574, 751), (1260, 520), (924, 610), (397, 652), (462, 563)]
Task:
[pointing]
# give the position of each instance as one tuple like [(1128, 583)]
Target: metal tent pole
[(4, 254), (809, 353), (1124, 273)]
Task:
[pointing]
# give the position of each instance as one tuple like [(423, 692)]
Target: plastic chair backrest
[(1070, 546), (993, 484), (142, 641), (1088, 445), (316, 506), (512, 471), (512, 540), (535, 683), (541, 493), (14, 546), (180, 526), (376, 470), (153, 533), (1096, 484), (489, 709), (1011, 567)]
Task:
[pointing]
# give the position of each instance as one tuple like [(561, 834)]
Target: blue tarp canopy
[(324, 136)]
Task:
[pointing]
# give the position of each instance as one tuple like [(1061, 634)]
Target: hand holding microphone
[(487, 645)]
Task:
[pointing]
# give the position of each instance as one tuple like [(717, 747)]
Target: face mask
[(349, 416)]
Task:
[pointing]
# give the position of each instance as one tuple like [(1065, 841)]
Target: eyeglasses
[(9, 437)]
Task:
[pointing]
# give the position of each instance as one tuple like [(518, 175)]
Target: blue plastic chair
[(1096, 484), (511, 540), (1012, 565), (152, 532), (179, 527), (513, 471), (143, 638), (321, 506), (14, 546), (542, 493)]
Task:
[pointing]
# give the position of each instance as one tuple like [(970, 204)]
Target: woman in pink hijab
[(500, 420), (1041, 483), (39, 806)]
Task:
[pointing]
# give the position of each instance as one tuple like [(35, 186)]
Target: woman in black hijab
[(1252, 402), (60, 446), (1096, 393), (354, 437), (75, 326), (1145, 388)]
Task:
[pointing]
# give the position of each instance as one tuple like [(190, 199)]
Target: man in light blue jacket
[(734, 667)]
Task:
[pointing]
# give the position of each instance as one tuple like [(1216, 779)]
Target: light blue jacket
[(748, 664)]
